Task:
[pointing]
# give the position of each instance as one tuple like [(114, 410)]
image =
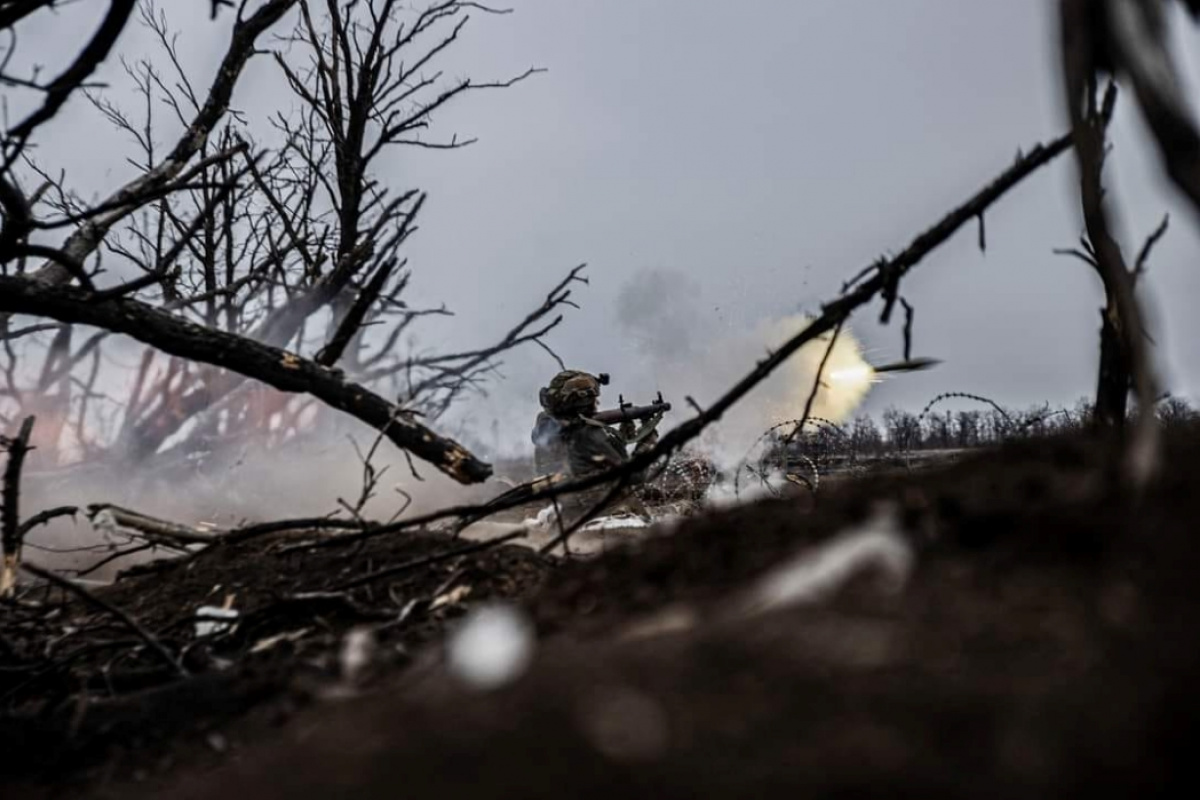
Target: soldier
[(568, 441)]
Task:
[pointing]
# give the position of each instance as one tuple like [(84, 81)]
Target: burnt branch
[(1143, 258), (96, 50), (43, 517), (13, 11), (132, 196), (274, 366), (908, 327), (11, 533), (1123, 332), (352, 322)]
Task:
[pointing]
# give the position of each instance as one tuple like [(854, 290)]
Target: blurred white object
[(106, 523), (817, 573), (724, 494), (544, 518), (493, 646), (357, 653), (625, 724), (212, 620), (616, 521)]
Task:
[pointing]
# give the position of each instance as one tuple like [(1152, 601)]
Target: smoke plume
[(685, 352)]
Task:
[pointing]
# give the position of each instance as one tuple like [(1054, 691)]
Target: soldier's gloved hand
[(646, 443), (627, 430)]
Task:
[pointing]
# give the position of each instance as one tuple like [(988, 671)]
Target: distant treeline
[(900, 430)]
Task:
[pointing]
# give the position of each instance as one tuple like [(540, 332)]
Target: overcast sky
[(737, 161)]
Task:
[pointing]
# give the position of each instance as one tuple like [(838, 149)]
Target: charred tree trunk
[(10, 515), (1087, 53), (1114, 379)]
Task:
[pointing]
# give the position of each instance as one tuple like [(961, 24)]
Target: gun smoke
[(679, 349), (685, 351)]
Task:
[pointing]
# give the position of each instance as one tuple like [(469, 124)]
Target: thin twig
[(1143, 258), (112, 610)]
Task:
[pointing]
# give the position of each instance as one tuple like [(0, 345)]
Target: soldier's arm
[(592, 450), (596, 450)]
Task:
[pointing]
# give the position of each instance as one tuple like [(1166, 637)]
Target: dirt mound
[(101, 699), (1042, 646)]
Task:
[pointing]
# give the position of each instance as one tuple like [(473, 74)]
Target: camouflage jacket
[(575, 447), (549, 446), (592, 447)]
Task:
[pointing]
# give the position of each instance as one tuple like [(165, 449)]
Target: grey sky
[(764, 150)]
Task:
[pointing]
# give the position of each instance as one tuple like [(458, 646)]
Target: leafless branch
[(283, 370), (1143, 258)]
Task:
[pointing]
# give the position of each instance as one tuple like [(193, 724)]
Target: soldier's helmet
[(571, 392)]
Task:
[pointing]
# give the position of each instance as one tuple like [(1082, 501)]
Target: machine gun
[(628, 412)]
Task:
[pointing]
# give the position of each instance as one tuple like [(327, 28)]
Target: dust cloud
[(237, 484), (680, 349), (686, 352)]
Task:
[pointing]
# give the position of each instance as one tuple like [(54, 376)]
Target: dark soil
[(102, 708), (1045, 646)]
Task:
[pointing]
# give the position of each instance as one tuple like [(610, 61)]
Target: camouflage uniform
[(567, 441), (549, 448), (569, 394)]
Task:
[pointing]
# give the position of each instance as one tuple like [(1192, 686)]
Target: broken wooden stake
[(11, 532), (105, 516)]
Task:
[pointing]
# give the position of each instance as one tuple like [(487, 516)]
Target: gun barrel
[(613, 416)]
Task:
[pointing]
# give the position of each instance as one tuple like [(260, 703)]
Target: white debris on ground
[(616, 521), (358, 651), (211, 620), (492, 647), (106, 523), (725, 494), (546, 518), (817, 573), (666, 523)]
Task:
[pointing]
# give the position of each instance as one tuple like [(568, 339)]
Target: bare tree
[(279, 261), (1087, 50), (1115, 375)]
